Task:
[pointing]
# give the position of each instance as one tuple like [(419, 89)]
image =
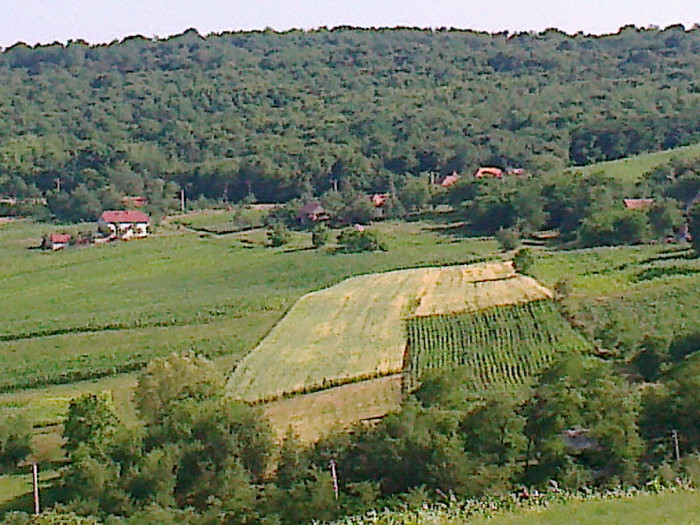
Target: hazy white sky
[(45, 21)]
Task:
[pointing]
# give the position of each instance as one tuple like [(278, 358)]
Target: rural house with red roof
[(638, 204), (125, 224), (488, 172), (311, 213), (58, 241)]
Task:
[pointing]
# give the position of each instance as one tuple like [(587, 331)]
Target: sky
[(102, 21)]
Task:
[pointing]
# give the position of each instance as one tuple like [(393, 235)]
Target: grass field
[(355, 330), (619, 295), (311, 416), (95, 311), (632, 168)]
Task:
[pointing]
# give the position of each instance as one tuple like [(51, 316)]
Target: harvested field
[(311, 416)]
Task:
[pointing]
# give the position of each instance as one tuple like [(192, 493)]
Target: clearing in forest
[(355, 330)]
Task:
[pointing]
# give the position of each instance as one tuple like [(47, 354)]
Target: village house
[(638, 204), (312, 213), (58, 241), (488, 172), (125, 224), (449, 180), (377, 201)]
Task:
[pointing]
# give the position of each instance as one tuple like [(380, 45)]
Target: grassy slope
[(628, 292), (632, 168)]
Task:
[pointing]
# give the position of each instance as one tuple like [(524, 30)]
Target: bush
[(320, 236), (694, 226), (278, 234), (14, 441), (354, 240), (508, 238), (523, 260)]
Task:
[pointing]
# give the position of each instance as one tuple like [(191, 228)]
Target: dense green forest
[(279, 115)]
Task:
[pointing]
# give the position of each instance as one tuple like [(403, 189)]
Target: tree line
[(280, 115)]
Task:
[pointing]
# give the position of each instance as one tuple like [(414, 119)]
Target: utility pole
[(676, 448), (182, 200), (335, 478), (35, 482), (57, 180)]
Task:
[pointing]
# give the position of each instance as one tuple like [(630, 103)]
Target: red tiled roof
[(486, 172), (378, 199), (60, 238), (638, 204), (122, 216), (449, 180)]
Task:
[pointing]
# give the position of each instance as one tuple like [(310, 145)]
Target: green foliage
[(15, 440), (276, 134), (278, 235), (612, 227), (672, 405), (523, 260), (91, 420), (508, 238), (694, 226), (320, 236), (582, 425), (353, 240)]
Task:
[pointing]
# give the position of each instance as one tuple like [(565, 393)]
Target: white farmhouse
[(125, 224)]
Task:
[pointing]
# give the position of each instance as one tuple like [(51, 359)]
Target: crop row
[(504, 345)]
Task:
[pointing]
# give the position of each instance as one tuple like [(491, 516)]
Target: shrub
[(278, 234), (14, 441), (508, 238), (320, 236), (523, 260), (354, 240)]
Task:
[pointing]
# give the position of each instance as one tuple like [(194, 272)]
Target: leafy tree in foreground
[(694, 226), (15, 440)]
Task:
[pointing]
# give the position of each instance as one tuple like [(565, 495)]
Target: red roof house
[(125, 224), (58, 241), (449, 180), (312, 212), (638, 204), (488, 172)]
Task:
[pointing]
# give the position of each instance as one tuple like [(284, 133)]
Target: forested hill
[(281, 114)]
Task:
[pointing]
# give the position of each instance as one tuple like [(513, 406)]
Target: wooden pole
[(182, 200), (676, 448), (335, 478), (35, 482)]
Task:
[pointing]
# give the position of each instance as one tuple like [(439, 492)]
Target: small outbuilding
[(638, 204), (488, 172), (312, 213), (58, 241), (449, 180), (125, 224)]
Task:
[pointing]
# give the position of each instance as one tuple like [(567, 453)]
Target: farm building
[(311, 213), (58, 241), (125, 224), (449, 180), (488, 172), (638, 204)]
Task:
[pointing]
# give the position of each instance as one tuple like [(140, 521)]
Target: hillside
[(632, 168), (276, 115)]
